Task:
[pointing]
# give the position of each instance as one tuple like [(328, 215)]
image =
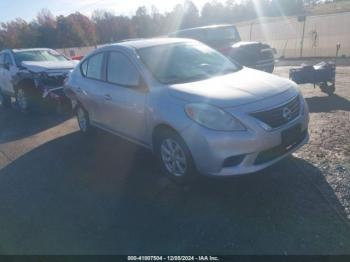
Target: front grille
[(281, 115), (273, 153)]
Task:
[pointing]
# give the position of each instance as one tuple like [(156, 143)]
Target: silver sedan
[(198, 111)]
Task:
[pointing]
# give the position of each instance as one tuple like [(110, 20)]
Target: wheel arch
[(24, 83), (161, 127), (76, 104), (166, 127)]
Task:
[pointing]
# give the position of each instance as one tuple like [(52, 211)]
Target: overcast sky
[(27, 9)]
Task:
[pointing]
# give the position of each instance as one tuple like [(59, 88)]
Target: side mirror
[(142, 85)]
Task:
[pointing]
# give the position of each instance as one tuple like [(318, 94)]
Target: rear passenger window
[(94, 67), (121, 71)]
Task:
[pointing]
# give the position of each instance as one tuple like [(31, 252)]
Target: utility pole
[(251, 31), (302, 19)]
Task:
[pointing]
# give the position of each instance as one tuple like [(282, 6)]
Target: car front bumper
[(235, 153)]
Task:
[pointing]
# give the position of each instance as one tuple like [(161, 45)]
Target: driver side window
[(121, 71)]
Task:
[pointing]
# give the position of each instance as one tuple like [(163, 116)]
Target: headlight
[(213, 117)]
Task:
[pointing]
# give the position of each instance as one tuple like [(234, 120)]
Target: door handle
[(108, 97)]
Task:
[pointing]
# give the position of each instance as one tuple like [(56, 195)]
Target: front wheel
[(5, 100), (22, 100), (174, 157)]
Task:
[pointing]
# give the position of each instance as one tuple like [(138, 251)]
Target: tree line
[(105, 27)]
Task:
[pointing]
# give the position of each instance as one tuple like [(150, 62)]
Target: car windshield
[(185, 62), (39, 55), (221, 34)]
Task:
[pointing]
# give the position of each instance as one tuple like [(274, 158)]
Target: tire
[(5, 100), (271, 69), (84, 121), (174, 157), (23, 100), (328, 89)]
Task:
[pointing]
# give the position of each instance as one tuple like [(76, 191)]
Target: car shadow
[(104, 195), (327, 103), (16, 125)]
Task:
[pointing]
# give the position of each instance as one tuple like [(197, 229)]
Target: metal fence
[(314, 36)]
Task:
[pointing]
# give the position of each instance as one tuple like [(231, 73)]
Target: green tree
[(75, 30), (47, 29)]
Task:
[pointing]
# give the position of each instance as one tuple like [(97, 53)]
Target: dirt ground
[(62, 193), (329, 146)]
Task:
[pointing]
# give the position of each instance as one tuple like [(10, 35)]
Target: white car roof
[(29, 49)]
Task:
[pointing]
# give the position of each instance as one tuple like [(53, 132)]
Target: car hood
[(242, 87), (43, 66)]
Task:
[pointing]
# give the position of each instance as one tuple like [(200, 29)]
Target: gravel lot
[(63, 194), (329, 146)]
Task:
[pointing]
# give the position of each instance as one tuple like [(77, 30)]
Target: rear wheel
[(174, 156), (328, 88), (84, 121), (271, 69)]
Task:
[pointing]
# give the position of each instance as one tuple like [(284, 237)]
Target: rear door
[(88, 89)]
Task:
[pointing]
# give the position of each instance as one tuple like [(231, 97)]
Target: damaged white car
[(33, 77)]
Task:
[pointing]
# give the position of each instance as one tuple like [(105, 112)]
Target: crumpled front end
[(51, 84), (46, 87)]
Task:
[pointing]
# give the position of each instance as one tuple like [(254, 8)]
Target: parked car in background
[(198, 111), (78, 57), (226, 39), (33, 76)]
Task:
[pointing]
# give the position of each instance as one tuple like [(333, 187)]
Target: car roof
[(29, 49), (144, 43), (204, 27)]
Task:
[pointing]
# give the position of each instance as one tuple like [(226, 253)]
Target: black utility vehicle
[(226, 39)]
